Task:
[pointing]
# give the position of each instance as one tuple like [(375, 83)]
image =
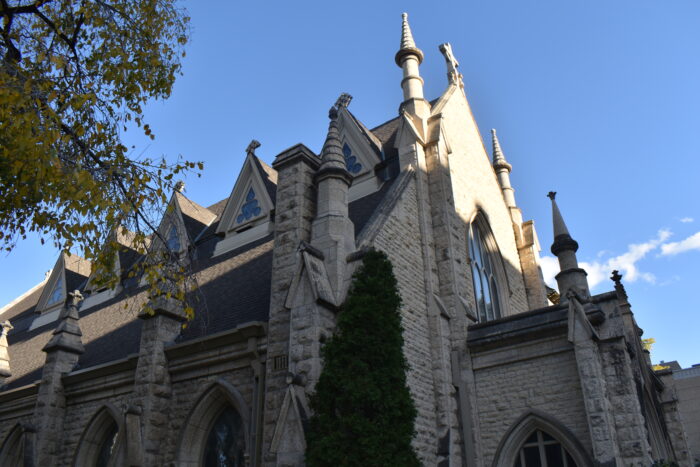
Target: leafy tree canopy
[(363, 411), (73, 75)]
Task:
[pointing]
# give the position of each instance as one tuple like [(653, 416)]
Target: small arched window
[(542, 450), (486, 293), (100, 445), (225, 443), (12, 451)]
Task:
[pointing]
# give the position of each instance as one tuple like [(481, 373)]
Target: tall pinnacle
[(332, 152), (67, 335), (499, 160), (408, 45), (560, 229)]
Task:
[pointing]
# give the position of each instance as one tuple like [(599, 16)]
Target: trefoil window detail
[(351, 161), (483, 276), (250, 208)]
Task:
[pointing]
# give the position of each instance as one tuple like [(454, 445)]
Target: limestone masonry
[(503, 370)]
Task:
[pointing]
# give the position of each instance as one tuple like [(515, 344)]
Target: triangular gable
[(124, 257), (361, 149), (172, 228), (251, 199), (195, 217), (69, 273)]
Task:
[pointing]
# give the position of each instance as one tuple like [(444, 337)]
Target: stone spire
[(502, 168), (332, 232), (67, 336), (571, 277), (409, 57), (332, 153), (4, 354)]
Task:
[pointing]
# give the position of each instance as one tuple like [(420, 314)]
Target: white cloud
[(600, 269), (687, 220), (687, 244)]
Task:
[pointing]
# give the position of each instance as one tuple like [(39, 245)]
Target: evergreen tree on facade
[(363, 411)]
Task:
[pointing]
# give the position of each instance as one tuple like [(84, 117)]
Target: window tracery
[(542, 450), (225, 445), (486, 298)]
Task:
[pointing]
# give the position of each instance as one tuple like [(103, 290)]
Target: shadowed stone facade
[(498, 373)]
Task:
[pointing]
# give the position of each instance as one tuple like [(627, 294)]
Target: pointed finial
[(67, 335), (499, 160), (616, 276), (408, 45), (332, 152), (562, 238), (180, 186), (343, 100), (619, 288), (6, 327), (254, 144)]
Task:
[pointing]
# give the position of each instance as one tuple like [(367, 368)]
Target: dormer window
[(56, 294), (486, 293)]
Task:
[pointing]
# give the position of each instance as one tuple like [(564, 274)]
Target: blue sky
[(596, 100)]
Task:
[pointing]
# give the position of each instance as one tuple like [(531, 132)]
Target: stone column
[(4, 354), (62, 353), (294, 211), (152, 387)]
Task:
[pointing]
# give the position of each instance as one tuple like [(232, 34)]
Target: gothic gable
[(249, 210)]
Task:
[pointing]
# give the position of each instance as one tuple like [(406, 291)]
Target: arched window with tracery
[(100, 445), (542, 450), (12, 450), (484, 273), (225, 446), (216, 433)]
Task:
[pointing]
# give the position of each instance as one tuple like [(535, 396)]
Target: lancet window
[(486, 298), (225, 446)]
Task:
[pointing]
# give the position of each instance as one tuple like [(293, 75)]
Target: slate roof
[(233, 288)]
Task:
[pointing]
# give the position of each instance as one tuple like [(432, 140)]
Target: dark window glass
[(532, 456), (225, 444), (107, 447), (554, 455), (173, 239)]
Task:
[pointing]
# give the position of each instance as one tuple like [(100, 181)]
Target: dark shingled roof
[(233, 288)]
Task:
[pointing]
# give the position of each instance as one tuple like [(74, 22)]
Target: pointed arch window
[(101, 444), (225, 446), (12, 450), (484, 278), (542, 450)]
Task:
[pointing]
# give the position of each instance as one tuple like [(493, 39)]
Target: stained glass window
[(351, 161), (483, 277), (108, 446), (541, 450), (250, 208), (225, 444), (57, 293)]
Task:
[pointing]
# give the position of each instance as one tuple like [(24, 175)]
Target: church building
[(503, 370)]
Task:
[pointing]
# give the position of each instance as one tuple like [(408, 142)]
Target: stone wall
[(687, 383), (476, 188), (514, 379), (400, 240)]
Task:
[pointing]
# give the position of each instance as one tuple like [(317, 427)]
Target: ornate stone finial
[(74, 298), (47, 274), (499, 160), (254, 144), (6, 327), (343, 100), (453, 75), (551, 195), (180, 186), (616, 277), (408, 45)]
